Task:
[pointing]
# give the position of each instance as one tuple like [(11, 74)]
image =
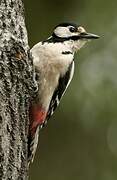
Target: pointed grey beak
[(86, 35)]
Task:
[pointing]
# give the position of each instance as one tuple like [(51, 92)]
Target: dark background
[(80, 140)]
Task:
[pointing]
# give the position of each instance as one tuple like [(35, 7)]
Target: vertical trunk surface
[(16, 88)]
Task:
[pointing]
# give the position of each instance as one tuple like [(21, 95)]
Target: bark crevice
[(17, 85)]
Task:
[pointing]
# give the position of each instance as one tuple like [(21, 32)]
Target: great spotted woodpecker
[(53, 60)]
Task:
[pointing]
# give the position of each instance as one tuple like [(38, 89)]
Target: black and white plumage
[(63, 83), (53, 60)]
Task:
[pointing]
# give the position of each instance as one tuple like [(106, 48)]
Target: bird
[(53, 60)]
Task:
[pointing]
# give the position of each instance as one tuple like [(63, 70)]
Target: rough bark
[(16, 88)]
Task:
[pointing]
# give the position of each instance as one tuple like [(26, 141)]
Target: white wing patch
[(60, 90), (71, 76)]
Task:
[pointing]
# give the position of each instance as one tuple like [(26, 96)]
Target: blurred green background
[(80, 140)]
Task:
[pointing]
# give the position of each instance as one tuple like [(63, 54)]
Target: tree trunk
[(16, 88)]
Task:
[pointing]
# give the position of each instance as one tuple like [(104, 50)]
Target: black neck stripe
[(55, 39), (62, 39), (66, 52)]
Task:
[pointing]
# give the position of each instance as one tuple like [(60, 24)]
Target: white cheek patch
[(62, 32)]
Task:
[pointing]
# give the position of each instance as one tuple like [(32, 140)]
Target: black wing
[(64, 82)]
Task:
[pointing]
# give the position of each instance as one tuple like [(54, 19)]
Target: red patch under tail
[(37, 117)]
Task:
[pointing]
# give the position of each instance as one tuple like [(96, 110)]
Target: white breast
[(51, 64)]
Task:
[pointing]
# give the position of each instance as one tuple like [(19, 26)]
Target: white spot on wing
[(71, 74), (57, 99)]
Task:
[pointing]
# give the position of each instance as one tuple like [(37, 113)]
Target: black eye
[(73, 29)]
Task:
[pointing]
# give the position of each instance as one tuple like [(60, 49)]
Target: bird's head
[(72, 34)]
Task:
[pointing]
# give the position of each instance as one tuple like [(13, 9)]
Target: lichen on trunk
[(16, 87)]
